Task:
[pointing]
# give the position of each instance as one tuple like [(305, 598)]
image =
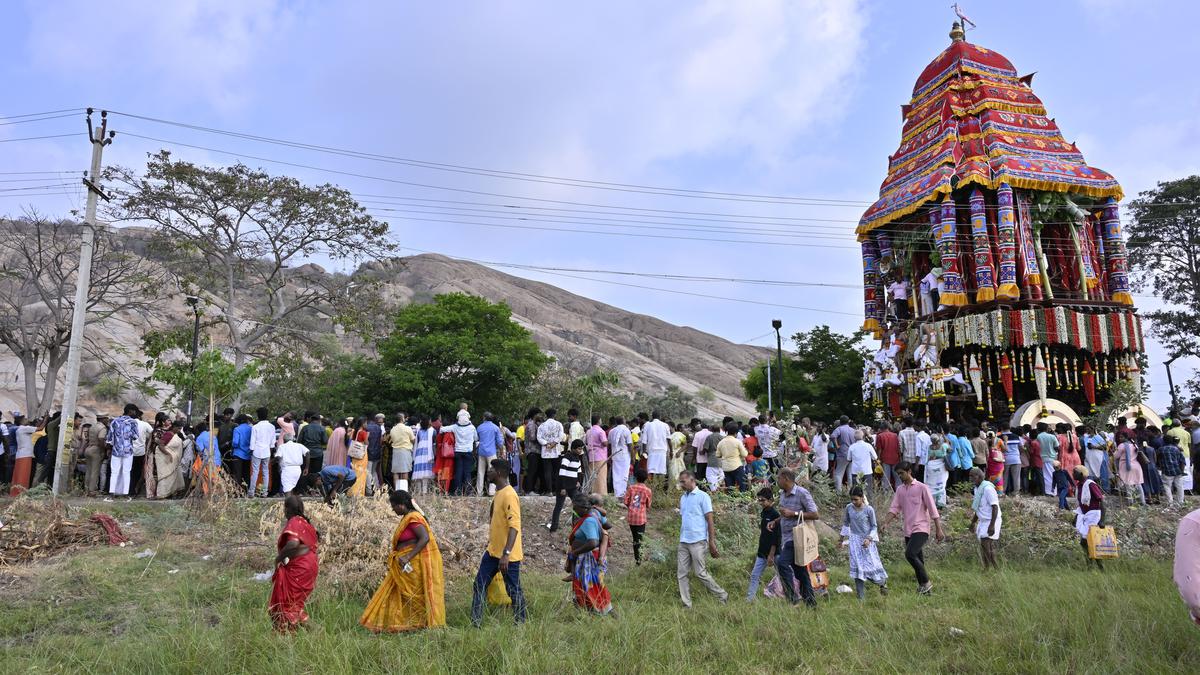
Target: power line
[(34, 138), (36, 119), (667, 277), (670, 290), (516, 175), (45, 112), (617, 234)]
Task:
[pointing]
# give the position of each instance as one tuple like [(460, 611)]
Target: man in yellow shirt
[(504, 546), (731, 457)]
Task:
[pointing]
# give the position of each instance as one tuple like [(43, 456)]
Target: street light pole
[(777, 324), (1171, 384)]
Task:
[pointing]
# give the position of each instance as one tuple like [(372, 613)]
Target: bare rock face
[(649, 354)]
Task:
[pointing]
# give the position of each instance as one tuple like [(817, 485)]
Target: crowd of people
[(278, 454), (917, 462)]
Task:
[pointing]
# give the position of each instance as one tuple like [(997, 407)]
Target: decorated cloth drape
[(985, 267), (1084, 236), (885, 247), (1006, 245), (943, 225), (1115, 332), (1030, 266), (872, 303), (409, 600), (1114, 250)]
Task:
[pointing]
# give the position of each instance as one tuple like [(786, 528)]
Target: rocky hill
[(582, 334), (649, 354)]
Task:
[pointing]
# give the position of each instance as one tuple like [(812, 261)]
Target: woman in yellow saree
[(412, 595)]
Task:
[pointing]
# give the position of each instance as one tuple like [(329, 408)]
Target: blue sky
[(795, 99)]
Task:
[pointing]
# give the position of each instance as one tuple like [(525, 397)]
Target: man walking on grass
[(795, 504), (697, 531), (914, 502), (504, 546), (986, 518)]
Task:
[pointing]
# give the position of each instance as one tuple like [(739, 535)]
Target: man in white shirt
[(262, 439), (654, 441), (619, 440), (924, 442), (986, 519), (291, 456), (898, 290), (550, 437), (141, 477), (862, 456), (767, 436)]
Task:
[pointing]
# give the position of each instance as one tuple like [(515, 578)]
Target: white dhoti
[(620, 473), (714, 475), (656, 463), (1085, 521), (288, 477), (1094, 460)]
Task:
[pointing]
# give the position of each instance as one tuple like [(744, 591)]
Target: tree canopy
[(241, 239), (822, 378), (1164, 257), (458, 348)]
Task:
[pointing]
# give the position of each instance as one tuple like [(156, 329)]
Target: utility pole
[(83, 281)]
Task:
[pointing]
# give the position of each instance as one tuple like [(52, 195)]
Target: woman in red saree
[(586, 561), (295, 568)]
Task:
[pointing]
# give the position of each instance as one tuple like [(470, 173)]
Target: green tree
[(672, 403), (823, 378), (458, 348), (1164, 257)]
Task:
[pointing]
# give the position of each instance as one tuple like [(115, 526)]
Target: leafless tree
[(245, 240), (38, 268)]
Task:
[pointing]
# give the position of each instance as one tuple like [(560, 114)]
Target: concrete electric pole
[(83, 281)]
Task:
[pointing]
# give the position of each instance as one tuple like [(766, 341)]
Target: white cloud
[(740, 78), (186, 50)]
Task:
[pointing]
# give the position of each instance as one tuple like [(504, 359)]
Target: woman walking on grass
[(860, 536), (585, 561), (358, 444), (1130, 470), (295, 568), (412, 595)]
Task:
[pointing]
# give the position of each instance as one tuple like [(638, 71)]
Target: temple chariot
[(994, 271)]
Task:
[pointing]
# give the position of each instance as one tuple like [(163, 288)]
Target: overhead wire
[(671, 290), (515, 175)]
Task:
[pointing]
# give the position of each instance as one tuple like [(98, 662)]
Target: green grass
[(103, 611)]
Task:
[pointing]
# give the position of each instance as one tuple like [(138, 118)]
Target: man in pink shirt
[(597, 448), (914, 502), (1187, 562)]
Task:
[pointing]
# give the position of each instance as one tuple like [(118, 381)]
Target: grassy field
[(101, 610)]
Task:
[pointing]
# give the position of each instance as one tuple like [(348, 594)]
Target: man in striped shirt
[(567, 483)]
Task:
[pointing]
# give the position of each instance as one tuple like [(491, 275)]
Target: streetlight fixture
[(777, 324), (193, 302), (1171, 384)]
